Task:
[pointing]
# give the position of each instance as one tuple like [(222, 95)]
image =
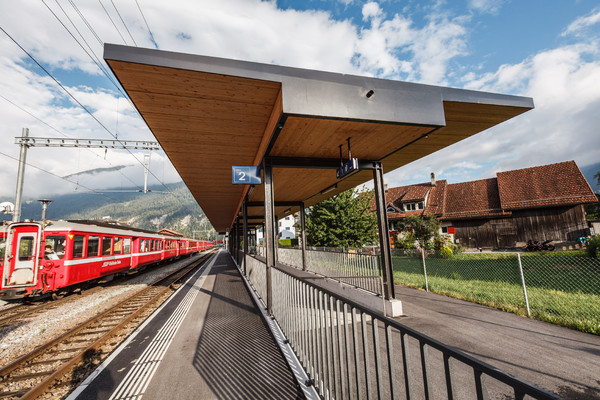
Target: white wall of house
[(285, 228)]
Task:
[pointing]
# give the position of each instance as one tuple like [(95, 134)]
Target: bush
[(446, 253), (593, 246), (458, 249)]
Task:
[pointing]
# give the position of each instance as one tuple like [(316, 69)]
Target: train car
[(38, 258)]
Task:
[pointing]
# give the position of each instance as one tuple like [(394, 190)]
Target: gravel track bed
[(23, 337)]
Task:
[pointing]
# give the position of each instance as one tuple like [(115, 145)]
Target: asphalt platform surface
[(209, 342), (560, 360)]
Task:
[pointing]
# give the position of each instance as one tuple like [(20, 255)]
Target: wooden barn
[(538, 203)]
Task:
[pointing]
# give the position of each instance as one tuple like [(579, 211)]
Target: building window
[(420, 205), (287, 228)]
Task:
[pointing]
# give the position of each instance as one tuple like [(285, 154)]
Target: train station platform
[(208, 341)]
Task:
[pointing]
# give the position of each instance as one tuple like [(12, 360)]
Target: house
[(538, 203)]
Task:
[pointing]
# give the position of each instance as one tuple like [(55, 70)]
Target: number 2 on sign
[(242, 175)]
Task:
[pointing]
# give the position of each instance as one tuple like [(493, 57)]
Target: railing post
[(303, 235), (523, 284), (270, 235), (424, 268), (245, 233), (384, 236)]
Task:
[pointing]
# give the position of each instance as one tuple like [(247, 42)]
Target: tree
[(344, 220), (592, 211), (422, 229)]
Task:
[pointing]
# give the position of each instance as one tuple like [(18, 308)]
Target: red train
[(59, 256)]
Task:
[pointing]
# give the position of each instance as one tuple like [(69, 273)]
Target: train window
[(26, 248), (106, 245), (77, 246), (93, 246), (2, 248), (126, 245), (54, 247), (142, 245), (118, 247)]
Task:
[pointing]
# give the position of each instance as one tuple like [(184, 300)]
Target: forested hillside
[(158, 209)]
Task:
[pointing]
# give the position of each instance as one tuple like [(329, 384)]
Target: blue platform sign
[(348, 167), (245, 175)]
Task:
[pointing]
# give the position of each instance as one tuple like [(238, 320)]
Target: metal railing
[(352, 353), (560, 289), (359, 270)]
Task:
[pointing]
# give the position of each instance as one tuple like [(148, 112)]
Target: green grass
[(562, 290)]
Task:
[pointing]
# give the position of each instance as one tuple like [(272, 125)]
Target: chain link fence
[(564, 290)]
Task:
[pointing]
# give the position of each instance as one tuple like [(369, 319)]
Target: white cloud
[(581, 23), (562, 81), (486, 6), (563, 126)]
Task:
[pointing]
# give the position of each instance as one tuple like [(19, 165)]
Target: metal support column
[(270, 236), (303, 235), (384, 235), (235, 240), (245, 233), (20, 177)]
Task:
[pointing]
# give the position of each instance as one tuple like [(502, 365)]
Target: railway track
[(62, 362), (22, 312)]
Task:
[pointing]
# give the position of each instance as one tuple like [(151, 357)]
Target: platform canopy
[(210, 114)]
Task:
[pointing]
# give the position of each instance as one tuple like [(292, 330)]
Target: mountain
[(176, 209), (589, 172)]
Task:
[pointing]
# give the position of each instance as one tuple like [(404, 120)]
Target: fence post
[(424, 268), (523, 284)]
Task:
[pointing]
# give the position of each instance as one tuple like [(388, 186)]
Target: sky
[(54, 81)]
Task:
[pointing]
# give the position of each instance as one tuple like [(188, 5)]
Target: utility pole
[(146, 168), (21, 175)]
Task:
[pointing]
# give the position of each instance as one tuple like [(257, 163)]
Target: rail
[(350, 352), (34, 373)]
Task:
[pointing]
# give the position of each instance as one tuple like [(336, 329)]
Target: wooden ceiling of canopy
[(207, 121)]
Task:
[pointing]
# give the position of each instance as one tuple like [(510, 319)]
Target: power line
[(85, 21), (61, 133), (146, 22), (94, 58), (123, 21), (57, 176), (113, 22), (86, 110)]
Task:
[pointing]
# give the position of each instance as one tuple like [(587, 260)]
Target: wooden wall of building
[(558, 224)]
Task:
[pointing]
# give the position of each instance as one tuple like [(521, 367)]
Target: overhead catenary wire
[(85, 21), (94, 58), (123, 21), (147, 26), (113, 22), (89, 112), (57, 176), (64, 135)]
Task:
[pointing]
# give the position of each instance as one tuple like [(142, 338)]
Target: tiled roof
[(553, 185), (543, 186), (407, 194), (472, 199), (437, 199)]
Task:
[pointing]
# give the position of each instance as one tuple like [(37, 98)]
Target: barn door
[(22, 255)]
